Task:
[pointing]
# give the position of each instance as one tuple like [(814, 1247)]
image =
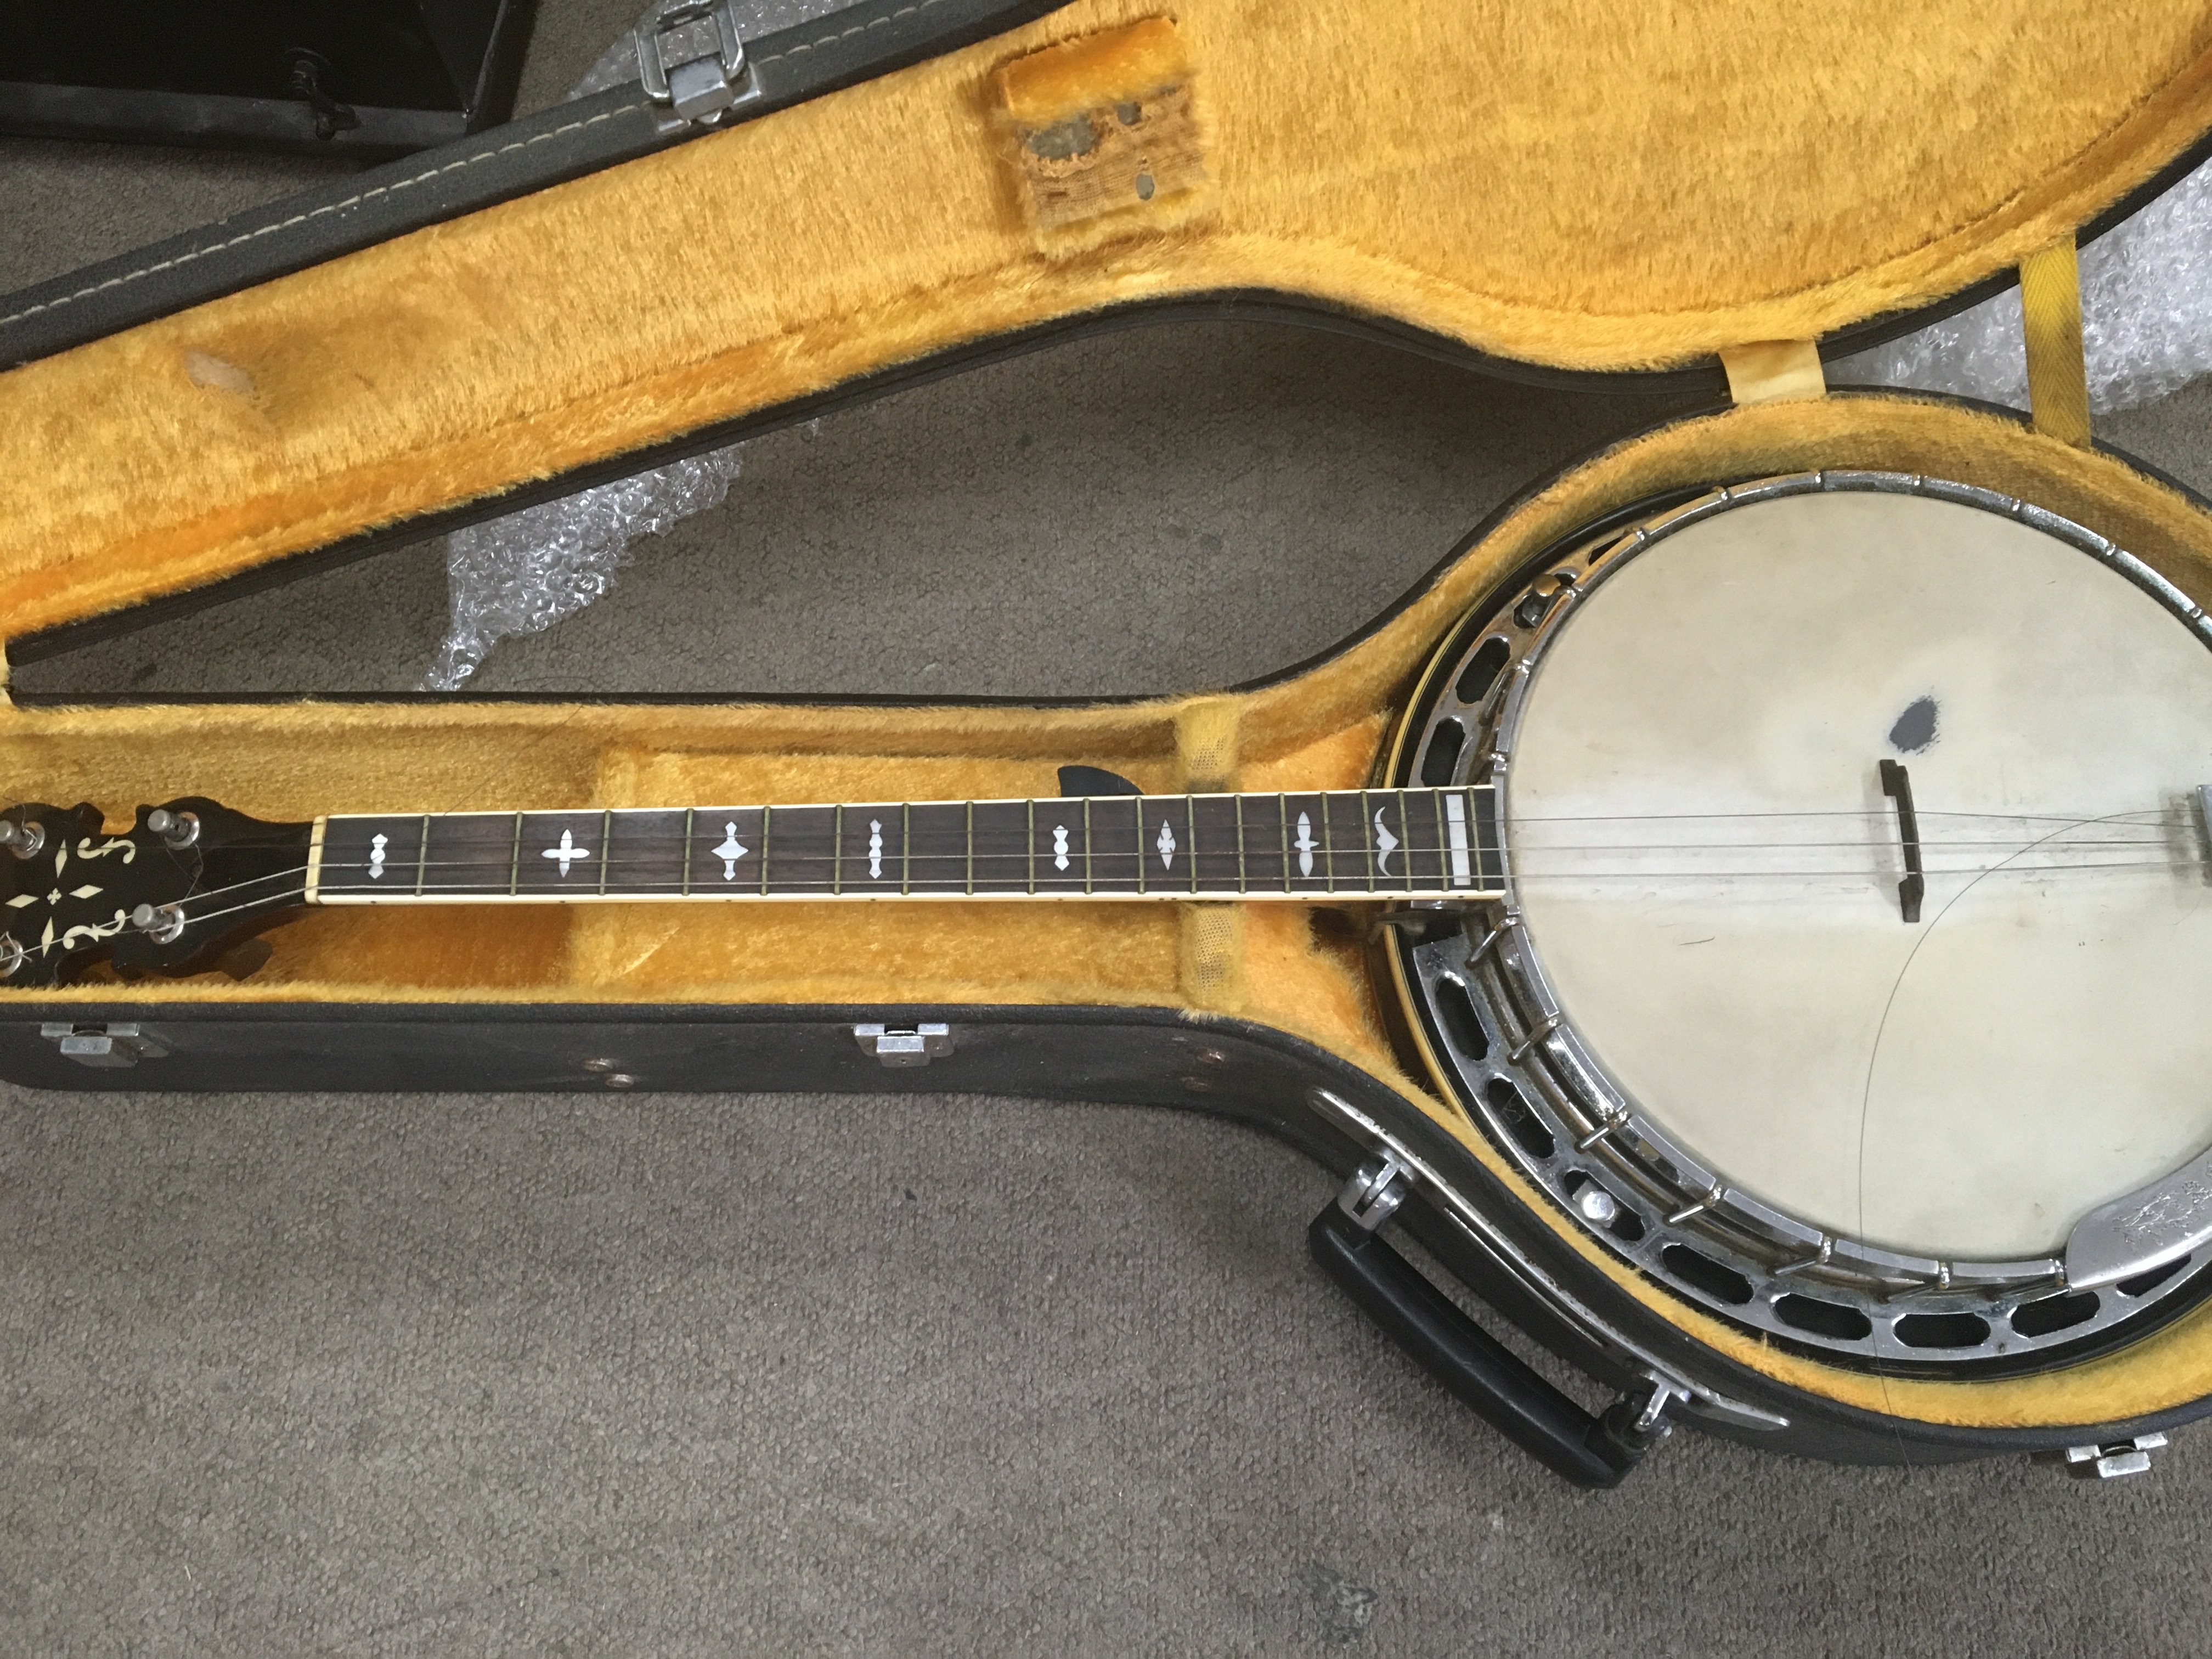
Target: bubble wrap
[(522, 574), (2146, 318)]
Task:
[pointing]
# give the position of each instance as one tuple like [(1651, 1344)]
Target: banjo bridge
[(1896, 784)]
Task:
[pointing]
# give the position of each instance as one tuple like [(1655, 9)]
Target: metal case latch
[(689, 57), (904, 1045), (115, 1044), (2107, 1462)]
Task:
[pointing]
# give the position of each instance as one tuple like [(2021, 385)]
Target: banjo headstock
[(187, 879)]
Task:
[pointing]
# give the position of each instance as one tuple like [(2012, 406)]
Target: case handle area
[(1591, 1452)]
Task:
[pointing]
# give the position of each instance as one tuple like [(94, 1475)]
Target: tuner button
[(160, 925), (177, 829), (23, 840)]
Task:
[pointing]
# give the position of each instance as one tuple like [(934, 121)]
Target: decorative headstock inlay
[(186, 877)]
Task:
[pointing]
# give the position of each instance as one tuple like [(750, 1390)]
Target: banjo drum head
[(1706, 852)]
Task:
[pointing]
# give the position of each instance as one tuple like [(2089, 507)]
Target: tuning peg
[(163, 923), (179, 830), (23, 840)]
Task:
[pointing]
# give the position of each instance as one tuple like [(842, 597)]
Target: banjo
[(1808, 887)]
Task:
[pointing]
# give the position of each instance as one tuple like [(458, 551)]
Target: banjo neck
[(1401, 844)]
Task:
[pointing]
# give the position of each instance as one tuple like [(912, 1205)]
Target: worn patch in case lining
[(1108, 134)]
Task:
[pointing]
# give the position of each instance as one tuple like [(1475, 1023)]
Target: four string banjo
[(1809, 888)]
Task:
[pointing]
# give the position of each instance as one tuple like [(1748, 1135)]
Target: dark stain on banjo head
[(1915, 727)]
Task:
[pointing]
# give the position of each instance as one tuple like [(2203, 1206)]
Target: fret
[(1490, 845), (1190, 817), (560, 852), (1350, 841), (805, 862), (1001, 850), (470, 854), (514, 861), (690, 817), (1163, 852), (418, 856), (1263, 840), (969, 835), (1115, 843), (1030, 839), (1217, 849), (1440, 838), (716, 856), (1060, 846), (1305, 839), (906, 848), (1367, 839), (1243, 885), (871, 850), (369, 855), (1417, 817), (644, 852), (938, 840), (765, 812), (837, 850), (1459, 865), (1395, 818)]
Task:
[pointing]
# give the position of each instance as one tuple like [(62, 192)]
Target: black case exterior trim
[(857, 44), (1130, 1056)]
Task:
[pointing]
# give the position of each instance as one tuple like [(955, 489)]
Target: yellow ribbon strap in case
[(2050, 312), (1767, 371)]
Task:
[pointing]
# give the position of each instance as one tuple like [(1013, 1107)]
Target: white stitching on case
[(316, 213), (847, 35), (423, 178)]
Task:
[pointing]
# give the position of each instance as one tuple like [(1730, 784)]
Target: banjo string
[(1525, 857)]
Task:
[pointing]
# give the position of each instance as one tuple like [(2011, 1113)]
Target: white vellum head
[(1709, 867)]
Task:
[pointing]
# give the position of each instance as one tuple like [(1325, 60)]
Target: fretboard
[(1377, 843)]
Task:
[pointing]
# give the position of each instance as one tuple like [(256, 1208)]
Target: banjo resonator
[(1735, 746)]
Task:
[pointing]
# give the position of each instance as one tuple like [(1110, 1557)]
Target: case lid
[(1584, 187)]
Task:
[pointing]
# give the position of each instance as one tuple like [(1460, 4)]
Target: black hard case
[(1142, 1056)]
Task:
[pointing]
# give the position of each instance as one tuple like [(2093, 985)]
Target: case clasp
[(690, 57), (905, 1045), (123, 1044)]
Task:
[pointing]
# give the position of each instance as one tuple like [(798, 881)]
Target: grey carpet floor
[(675, 1375)]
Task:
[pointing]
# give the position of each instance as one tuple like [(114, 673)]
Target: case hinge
[(115, 1044), (904, 1045), (690, 59)]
